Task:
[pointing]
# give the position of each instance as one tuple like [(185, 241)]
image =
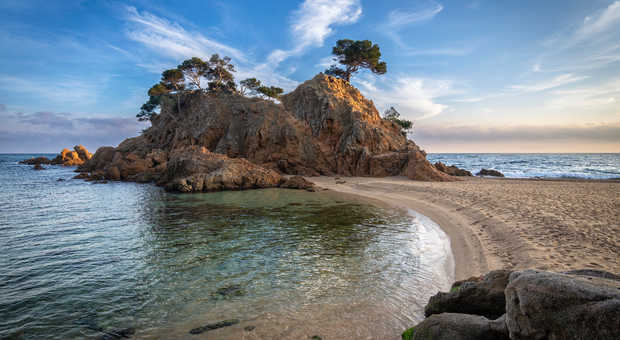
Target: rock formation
[(451, 170), (223, 141), (489, 172), (537, 305), (66, 157)]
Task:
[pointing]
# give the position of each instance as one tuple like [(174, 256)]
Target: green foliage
[(220, 73), (392, 115), (354, 55), (250, 86), (271, 91), (194, 70), (173, 80), (147, 110), (408, 334)]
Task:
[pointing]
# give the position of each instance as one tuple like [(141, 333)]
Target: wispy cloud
[(558, 81), (602, 22), (415, 98), (64, 90), (313, 22), (171, 39), (447, 51), (398, 19)]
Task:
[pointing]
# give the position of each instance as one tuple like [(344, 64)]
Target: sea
[(84, 260), (537, 165)]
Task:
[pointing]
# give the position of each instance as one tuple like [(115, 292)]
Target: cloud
[(605, 132), (447, 51), (398, 18), (2, 108), (414, 98), (171, 39), (548, 84), (47, 131), (64, 90), (312, 24), (603, 22)]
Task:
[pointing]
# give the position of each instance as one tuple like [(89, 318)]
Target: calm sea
[(82, 260), (530, 165)]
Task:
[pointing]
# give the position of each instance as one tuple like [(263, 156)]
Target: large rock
[(452, 170), (78, 156), (479, 296), (324, 127), (36, 160), (453, 326), (543, 305), (489, 172)]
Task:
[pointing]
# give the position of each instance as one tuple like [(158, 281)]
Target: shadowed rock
[(479, 296), (38, 167), (297, 182), (489, 172), (36, 160), (452, 170), (213, 326), (453, 326)]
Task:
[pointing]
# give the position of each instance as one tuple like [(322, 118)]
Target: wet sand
[(509, 223)]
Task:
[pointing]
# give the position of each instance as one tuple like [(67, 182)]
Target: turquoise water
[(544, 165), (80, 260)]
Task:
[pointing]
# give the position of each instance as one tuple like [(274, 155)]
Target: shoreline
[(508, 223)]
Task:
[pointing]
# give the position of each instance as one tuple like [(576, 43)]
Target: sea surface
[(82, 260), (532, 165)]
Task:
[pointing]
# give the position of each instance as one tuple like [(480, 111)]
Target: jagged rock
[(72, 158), (324, 127), (489, 172), (297, 182), (544, 305), (451, 170), (36, 160), (479, 296), (454, 326)]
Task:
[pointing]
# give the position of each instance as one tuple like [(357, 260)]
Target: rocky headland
[(226, 141), (66, 157)]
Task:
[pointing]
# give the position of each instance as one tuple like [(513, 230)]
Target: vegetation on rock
[(353, 55), (394, 116)]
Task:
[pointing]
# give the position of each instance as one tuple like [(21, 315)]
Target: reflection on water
[(82, 258)]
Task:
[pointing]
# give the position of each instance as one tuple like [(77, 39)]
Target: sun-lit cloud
[(547, 84), (313, 22)]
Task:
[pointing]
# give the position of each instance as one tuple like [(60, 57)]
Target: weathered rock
[(453, 326), (72, 158), (297, 182), (451, 170), (476, 296), (593, 273), (38, 167), (489, 172), (544, 305), (324, 127), (36, 160)]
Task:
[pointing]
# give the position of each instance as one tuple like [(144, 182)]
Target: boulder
[(451, 170), (454, 326), (36, 160), (479, 296), (544, 305), (489, 172), (72, 158), (297, 182)]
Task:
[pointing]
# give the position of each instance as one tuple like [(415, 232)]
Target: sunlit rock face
[(223, 141)]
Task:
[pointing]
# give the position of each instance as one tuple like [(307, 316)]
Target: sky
[(473, 75)]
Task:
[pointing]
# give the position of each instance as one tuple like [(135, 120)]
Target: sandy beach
[(509, 223)]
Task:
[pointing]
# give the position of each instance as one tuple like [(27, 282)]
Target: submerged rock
[(453, 326), (213, 326), (38, 167), (479, 296), (489, 172), (228, 291), (230, 142)]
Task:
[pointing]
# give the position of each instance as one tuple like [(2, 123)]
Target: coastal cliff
[(223, 141)]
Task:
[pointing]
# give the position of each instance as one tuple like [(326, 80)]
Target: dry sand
[(510, 223)]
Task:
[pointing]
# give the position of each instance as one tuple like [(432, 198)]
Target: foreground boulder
[(324, 127), (489, 172), (479, 296), (452, 170), (542, 305), (452, 326)]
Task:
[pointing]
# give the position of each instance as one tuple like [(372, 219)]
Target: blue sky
[(473, 75)]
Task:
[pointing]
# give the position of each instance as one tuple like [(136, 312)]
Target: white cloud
[(312, 24), (548, 84), (415, 98), (600, 96), (603, 22), (173, 40), (398, 18)]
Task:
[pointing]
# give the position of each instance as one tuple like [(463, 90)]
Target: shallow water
[(545, 165), (80, 259)]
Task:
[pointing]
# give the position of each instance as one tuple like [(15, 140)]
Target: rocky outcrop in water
[(229, 142), (489, 172), (452, 170), (78, 156), (537, 305)]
